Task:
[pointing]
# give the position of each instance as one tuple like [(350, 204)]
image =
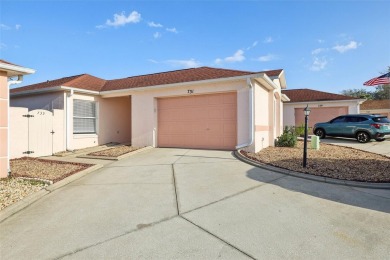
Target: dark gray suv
[(363, 127)]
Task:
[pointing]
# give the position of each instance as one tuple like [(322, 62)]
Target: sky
[(323, 45)]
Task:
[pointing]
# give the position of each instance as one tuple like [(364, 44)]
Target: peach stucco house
[(323, 105), (208, 108), (7, 70)]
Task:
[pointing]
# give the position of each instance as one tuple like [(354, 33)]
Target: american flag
[(384, 79)]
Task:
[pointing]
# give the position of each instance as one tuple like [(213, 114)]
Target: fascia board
[(359, 101), (78, 90), (285, 98), (265, 81), (15, 70)]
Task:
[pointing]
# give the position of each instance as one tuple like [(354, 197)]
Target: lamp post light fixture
[(307, 113)]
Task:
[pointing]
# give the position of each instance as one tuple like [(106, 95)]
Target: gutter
[(9, 83)]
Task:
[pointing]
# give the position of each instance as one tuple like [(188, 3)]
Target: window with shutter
[(84, 117)]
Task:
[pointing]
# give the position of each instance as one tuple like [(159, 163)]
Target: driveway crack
[(175, 189), (217, 237)]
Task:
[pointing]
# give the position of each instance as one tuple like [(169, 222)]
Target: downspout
[(251, 116), (68, 130), (11, 82)]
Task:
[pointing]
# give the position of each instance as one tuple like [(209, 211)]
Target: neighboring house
[(204, 107), (376, 107), (7, 70), (323, 105)]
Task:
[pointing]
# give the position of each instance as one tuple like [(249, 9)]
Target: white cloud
[(4, 27), (155, 25), (254, 44), (237, 57), (265, 58), (172, 30), (3, 46), (343, 48), (320, 41), (153, 61), (268, 40), (318, 51), (17, 26), (157, 35), (191, 63), (318, 64), (122, 19)]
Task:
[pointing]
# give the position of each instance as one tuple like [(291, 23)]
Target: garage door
[(203, 121), (319, 114)]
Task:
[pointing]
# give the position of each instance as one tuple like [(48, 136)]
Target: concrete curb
[(115, 158), (25, 202), (356, 184)]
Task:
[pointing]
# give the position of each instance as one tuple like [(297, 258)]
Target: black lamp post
[(307, 113)]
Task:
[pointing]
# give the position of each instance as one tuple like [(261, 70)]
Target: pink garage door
[(319, 114), (204, 121)]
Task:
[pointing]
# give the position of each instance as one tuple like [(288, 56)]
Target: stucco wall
[(262, 118), (385, 112), (144, 109), (3, 124), (114, 121), (289, 108), (47, 101)]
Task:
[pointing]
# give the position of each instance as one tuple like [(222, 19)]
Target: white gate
[(40, 133)]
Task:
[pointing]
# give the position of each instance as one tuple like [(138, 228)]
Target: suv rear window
[(381, 119)]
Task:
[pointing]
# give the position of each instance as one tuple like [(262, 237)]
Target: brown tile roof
[(375, 104), (85, 81), (178, 76), (307, 95)]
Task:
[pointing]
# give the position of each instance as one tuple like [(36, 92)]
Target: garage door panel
[(230, 99), (229, 128), (204, 121), (216, 113), (215, 99)]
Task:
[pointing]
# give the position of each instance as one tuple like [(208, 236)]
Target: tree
[(382, 92), (358, 93)]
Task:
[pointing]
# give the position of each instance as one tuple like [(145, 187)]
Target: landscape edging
[(238, 155)]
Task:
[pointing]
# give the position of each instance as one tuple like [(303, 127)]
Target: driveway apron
[(196, 204)]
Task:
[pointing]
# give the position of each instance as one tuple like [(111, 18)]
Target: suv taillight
[(377, 126)]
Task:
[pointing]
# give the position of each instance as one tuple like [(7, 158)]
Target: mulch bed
[(45, 169), (331, 161), (115, 152)]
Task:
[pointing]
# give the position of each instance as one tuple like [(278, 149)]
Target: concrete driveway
[(194, 204), (372, 146)]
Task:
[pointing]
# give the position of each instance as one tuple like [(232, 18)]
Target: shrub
[(300, 130), (287, 139)]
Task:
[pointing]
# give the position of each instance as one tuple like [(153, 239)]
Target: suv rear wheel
[(320, 132), (363, 137)]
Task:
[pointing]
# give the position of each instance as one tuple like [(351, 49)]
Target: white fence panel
[(36, 133), (40, 133)]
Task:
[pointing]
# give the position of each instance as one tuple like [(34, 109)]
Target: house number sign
[(190, 91)]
